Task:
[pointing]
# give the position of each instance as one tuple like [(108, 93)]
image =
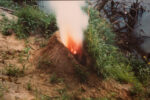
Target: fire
[(73, 46)]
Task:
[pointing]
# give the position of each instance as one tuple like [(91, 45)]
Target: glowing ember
[(74, 47)]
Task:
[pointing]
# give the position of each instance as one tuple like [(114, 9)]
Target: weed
[(109, 61), (81, 74), (12, 71), (96, 98), (6, 26), (54, 79), (31, 20), (26, 50), (1, 92), (29, 87), (40, 96), (45, 97), (9, 4), (66, 97), (61, 91), (44, 63), (141, 69)]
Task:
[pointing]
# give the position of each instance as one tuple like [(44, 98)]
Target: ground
[(22, 79)]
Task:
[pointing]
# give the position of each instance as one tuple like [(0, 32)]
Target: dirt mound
[(61, 60)]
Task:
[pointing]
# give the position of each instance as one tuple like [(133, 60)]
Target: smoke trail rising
[(71, 20)]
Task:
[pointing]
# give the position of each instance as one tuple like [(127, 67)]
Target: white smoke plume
[(71, 19)]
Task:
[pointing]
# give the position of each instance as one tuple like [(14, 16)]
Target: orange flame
[(74, 47)]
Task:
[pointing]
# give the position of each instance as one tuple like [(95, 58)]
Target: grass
[(55, 79), (44, 63), (31, 20), (6, 26), (109, 61), (97, 99), (81, 74), (100, 44), (9, 4), (29, 87), (1, 92), (13, 71)]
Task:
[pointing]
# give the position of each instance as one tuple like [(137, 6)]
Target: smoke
[(71, 19)]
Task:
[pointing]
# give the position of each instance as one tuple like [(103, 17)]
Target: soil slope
[(36, 69)]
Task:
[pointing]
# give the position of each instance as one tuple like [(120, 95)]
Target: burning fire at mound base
[(71, 21), (74, 47), (63, 61)]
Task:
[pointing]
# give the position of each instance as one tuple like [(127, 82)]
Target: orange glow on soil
[(74, 47)]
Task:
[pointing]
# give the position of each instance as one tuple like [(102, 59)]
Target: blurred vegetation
[(31, 20), (9, 4), (109, 61), (13, 71)]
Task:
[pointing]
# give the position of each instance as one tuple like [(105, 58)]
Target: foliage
[(81, 73), (6, 25), (55, 79), (9, 4), (109, 62), (11, 70), (141, 69), (44, 63), (31, 20), (2, 91)]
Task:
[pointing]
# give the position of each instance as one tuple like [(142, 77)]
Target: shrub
[(12, 71), (109, 62), (141, 69), (6, 26), (81, 73), (9, 4), (31, 20)]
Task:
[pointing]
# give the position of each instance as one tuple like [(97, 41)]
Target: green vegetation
[(55, 79), (109, 61), (97, 99), (2, 90), (81, 73), (6, 26), (44, 63), (29, 87), (31, 20), (9, 4), (13, 71)]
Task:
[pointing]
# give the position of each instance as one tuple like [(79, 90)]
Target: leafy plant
[(6, 26), (12, 71), (44, 63), (109, 61), (29, 87), (9, 4), (81, 73), (31, 20)]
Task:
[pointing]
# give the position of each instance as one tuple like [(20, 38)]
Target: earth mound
[(56, 58)]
